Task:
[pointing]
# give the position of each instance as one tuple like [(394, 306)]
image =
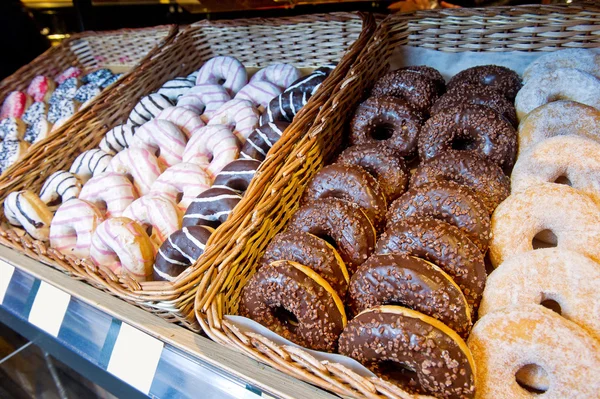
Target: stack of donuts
[(28, 117), (539, 329), (399, 256), (146, 201)]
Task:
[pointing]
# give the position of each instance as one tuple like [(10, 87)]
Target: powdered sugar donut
[(186, 120), (61, 108), (238, 115), (15, 105), (110, 192), (38, 131), (90, 163), (12, 129), (175, 88), (204, 99), (562, 83), (61, 186), (578, 58), (10, 152), (212, 147), (117, 139), (35, 112), (24, 208), (41, 88), (225, 71), (185, 179), (157, 212), (123, 246), (161, 136), (72, 227), (147, 108), (140, 164), (261, 140), (71, 72), (259, 93), (281, 75)]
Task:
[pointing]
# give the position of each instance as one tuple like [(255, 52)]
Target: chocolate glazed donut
[(429, 357), (442, 244), (447, 201), (389, 120), (431, 73), (414, 87), (503, 80), (485, 178), (470, 128), (411, 282), (237, 174), (341, 223), (296, 303), (350, 183), (382, 163)]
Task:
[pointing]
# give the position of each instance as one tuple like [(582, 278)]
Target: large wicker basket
[(308, 41), (527, 28), (119, 50)]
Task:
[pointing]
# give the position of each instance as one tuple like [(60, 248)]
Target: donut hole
[(178, 197), (464, 143), (563, 180), (149, 230), (384, 131), (551, 304), (532, 378), (329, 240), (544, 239), (221, 81), (286, 318)]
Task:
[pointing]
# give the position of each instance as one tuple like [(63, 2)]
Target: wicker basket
[(119, 50), (308, 41), (527, 28)]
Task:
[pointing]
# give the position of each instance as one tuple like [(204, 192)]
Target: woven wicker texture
[(528, 28), (120, 50), (308, 41)]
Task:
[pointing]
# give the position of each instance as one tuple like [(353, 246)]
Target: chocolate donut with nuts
[(414, 87), (431, 73), (504, 80)]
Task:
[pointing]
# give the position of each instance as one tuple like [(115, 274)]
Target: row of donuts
[(28, 117), (540, 306)]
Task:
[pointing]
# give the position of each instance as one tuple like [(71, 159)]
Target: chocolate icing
[(237, 174), (431, 73), (211, 208), (416, 88), (261, 140), (504, 80)]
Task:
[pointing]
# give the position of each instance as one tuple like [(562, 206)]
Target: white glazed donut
[(158, 212), (204, 99), (24, 208), (110, 192), (163, 136), (281, 75), (140, 164), (60, 110), (186, 120), (117, 139), (38, 131), (184, 178), (72, 227), (10, 152), (35, 112), (90, 163), (578, 58), (239, 115), (226, 69), (148, 108), (12, 129), (564, 84), (569, 278), (212, 147), (61, 184), (123, 246), (572, 157), (259, 93), (175, 88)]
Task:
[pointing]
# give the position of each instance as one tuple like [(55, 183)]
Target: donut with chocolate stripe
[(90, 163), (117, 139), (211, 208), (61, 186), (147, 108), (261, 140), (175, 88), (237, 174), (24, 208)]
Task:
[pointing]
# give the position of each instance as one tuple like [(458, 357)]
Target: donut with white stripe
[(226, 69), (71, 72), (123, 246), (24, 208), (12, 128), (15, 105), (185, 179), (10, 152), (163, 136), (140, 164), (35, 112), (281, 75), (90, 163), (212, 147), (157, 212), (175, 88), (147, 108), (204, 99), (259, 93), (110, 192), (72, 227), (186, 120), (41, 88), (117, 139), (180, 251), (60, 187), (239, 115), (38, 131), (261, 140), (212, 207), (237, 174)]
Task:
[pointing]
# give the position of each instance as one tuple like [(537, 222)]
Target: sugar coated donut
[(140, 164), (10, 152), (123, 246), (237, 174), (204, 99), (439, 362), (147, 108), (470, 128), (86, 93), (180, 251), (12, 128), (117, 139), (61, 186), (110, 192), (24, 208), (15, 104), (158, 213), (162, 137), (90, 163), (211, 207), (211, 147), (502, 79), (98, 76), (415, 88), (382, 163), (65, 90), (578, 58), (38, 131), (238, 115), (411, 282), (187, 121), (289, 287), (281, 75), (310, 251), (259, 93), (72, 227), (557, 119), (225, 71), (504, 341), (175, 88), (60, 109), (389, 120), (571, 216), (71, 72), (261, 140), (181, 183), (341, 222), (35, 112), (41, 88), (560, 84)]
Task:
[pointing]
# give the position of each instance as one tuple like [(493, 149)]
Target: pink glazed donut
[(110, 192), (72, 227), (281, 75), (186, 120), (185, 179), (161, 136), (15, 105), (212, 147), (157, 212), (226, 69), (239, 115), (204, 99), (140, 164)]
